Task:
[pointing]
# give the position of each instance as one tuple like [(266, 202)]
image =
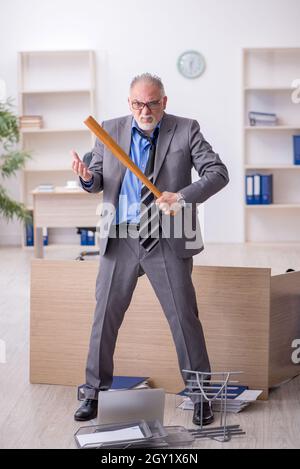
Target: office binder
[(29, 234), (119, 383), (259, 189), (233, 390), (45, 236), (90, 238), (249, 190), (256, 189), (87, 237), (266, 189), (127, 382), (296, 139)]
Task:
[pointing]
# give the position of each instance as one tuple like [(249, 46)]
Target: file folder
[(266, 189), (256, 189), (296, 139), (249, 190)]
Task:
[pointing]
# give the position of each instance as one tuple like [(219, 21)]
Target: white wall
[(133, 36)]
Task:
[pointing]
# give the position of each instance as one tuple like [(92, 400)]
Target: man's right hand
[(80, 168)]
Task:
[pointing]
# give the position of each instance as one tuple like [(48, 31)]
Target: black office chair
[(87, 161)]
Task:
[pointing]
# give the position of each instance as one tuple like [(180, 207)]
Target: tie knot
[(152, 139)]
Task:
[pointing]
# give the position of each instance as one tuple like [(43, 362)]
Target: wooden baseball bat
[(117, 151)]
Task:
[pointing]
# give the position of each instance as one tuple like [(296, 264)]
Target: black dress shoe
[(207, 414), (87, 411)]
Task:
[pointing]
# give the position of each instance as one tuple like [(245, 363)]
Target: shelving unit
[(60, 87), (268, 75)]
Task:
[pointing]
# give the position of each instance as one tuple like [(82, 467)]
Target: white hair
[(148, 77)]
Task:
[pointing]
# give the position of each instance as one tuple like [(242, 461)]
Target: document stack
[(259, 189), (31, 122), (237, 400), (239, 397), (262, 118)]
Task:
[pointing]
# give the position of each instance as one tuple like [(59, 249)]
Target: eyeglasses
[(138, 105)]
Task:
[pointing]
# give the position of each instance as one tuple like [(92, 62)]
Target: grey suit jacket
[(180, 147)]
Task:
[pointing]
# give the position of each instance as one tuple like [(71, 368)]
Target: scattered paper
[(129, 433), (249, 395), (233, 405)]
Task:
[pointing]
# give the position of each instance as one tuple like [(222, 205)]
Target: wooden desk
[(63, 208), (249, 318)]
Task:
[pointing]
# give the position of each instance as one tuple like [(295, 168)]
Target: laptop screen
[(132, 404)]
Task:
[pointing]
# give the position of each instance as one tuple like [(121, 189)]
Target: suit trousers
[(170, 276)]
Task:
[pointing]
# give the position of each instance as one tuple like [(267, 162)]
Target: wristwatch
[(180, 199)]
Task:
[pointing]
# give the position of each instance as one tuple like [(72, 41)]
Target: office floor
[(41, 416)]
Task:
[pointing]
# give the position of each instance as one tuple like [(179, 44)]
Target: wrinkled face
[(147, 116)]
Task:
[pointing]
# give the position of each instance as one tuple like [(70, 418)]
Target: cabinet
[(269, 77), (59, 86)]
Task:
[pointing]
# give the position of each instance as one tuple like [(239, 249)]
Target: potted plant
[(11, 160)]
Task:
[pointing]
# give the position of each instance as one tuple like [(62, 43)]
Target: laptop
[(133, 404)]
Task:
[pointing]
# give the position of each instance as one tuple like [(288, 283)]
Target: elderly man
[(142, 235)]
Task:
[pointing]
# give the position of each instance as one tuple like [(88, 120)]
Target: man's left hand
[(167, 202)]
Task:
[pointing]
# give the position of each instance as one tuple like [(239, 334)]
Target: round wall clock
[(191, 64)]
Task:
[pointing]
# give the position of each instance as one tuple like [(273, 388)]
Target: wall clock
[(191, 64)]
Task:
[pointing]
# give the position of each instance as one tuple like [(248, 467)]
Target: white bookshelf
[(268, 76), (60, 87)]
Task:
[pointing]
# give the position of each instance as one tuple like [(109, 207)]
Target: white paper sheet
[(130, 433), (249, 395)]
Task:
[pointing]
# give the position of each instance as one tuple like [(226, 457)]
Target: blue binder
[(29, 234), (266, 189), (83, 237), (256, 189), (127, 382), (45, 236), (233, 392), (253, 189), (90, 238), (296, 139), (249, 186), (118, 383), (87, 238)]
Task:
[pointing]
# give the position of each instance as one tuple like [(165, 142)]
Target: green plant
[(11, 160)]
